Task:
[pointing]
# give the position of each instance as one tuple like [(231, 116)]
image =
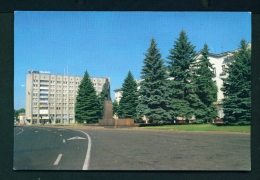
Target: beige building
[(51, 98)]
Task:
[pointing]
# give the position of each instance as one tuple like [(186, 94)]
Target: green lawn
[(200, 127)]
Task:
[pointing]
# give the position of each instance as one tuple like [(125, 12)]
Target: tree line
[(183, 88)]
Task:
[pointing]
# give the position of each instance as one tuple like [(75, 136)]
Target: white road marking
[(36, 131), (87, 159), (61, 129), (63, 140), (57, 160), (19, 132), (60, 135), (75, 138)]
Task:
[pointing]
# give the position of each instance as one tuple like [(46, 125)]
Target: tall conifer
[(185, 102), (206, 88), (237, 87), (87, 107), (128, 102), (153, 93)]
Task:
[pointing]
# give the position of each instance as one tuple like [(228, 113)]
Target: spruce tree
[(237, 87), (128, 102), (87, 106), (185, 102), (206, 89), (153, 93)]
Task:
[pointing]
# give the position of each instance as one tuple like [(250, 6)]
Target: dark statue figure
[(106, 91)]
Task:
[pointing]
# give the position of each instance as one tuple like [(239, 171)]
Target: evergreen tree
[(115, 108), (153, 93), (237, 87), (128, 102), (206, 88), (185, 102), (87, 106)]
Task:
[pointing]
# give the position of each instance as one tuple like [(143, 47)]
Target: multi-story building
[(52, 97), (219, 62)]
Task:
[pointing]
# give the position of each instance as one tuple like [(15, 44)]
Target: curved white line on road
[(87, 159), (19, 132)]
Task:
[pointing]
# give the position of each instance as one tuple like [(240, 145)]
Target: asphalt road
[(39, 148), (131, 149)]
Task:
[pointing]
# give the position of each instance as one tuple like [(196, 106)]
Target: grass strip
[(200, 127)]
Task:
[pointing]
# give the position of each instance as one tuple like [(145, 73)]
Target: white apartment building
[(52, 97), (219, 62)]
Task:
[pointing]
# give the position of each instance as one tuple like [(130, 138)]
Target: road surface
[(129, 149)]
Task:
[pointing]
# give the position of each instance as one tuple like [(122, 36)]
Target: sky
[(110, 44)]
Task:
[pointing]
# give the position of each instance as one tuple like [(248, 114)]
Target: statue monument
[(108, 119), (108, 108), (106, 90)]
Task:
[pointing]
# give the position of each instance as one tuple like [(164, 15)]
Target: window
[(44, 81), (35, 94), (64, 108), (58, 108), (58, 82), (35, 104), (35, 85), (214, 71), (64, 82)]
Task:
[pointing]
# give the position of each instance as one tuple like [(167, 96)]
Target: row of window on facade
[(53, 115), (58, 82), (53, 104), (64, 82)]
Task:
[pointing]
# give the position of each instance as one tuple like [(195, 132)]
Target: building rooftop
[(49, 73)]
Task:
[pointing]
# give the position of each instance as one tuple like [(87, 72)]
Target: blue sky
[(113, 43)]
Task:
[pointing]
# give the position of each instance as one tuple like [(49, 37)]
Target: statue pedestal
[(108, 117), (108, 110)]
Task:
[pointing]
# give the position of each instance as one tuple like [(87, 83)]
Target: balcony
[(44, 87)]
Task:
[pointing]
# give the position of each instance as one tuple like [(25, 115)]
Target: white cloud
[(22, 85)]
